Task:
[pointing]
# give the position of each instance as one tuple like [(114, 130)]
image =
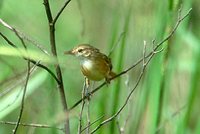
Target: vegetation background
[(166, 100)]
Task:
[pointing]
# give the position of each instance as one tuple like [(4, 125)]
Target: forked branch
[(51, 23)]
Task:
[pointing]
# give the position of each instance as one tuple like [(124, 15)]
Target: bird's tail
[(112, 74)]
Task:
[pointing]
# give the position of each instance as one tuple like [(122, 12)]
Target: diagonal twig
[(60, 11), (92, 123), (116, 44)]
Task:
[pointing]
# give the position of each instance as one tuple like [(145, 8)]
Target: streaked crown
[(83, 50)]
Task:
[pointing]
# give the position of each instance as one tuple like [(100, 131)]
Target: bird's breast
[(94, 69), (88, 64)]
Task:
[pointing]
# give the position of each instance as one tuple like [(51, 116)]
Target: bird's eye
[(80, 50)]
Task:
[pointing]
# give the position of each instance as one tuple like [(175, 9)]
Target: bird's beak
[(69, 52)]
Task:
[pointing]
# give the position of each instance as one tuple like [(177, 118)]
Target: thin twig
[(130, 105), (23, 98), (7, 40), (116, 44), (45, 68), (140, 60), (30, 125), (14, 30), (179, 20), (122, 128), (82, 107), (80, 117), (60, 11), (92, 123)]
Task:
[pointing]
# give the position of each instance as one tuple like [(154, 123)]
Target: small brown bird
[(94, 64)]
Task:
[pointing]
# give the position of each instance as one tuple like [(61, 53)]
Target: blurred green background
[(167, 99)]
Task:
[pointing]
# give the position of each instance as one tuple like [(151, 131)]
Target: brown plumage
[(94, 64)]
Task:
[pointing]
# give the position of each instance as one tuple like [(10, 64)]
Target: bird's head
[(82, 51)]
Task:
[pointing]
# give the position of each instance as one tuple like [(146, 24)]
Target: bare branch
[(122, 128), (57, 66), (14, 30), (45, 68), (48, 11), (80, 117), (92, 123), (60, 11), (82, 107), (7, 40), (31, 125), (179, 20)]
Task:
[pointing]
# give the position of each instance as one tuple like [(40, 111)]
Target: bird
[(94, 65)]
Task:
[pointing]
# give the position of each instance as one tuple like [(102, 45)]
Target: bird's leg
[(87, 92), (107, 80)]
